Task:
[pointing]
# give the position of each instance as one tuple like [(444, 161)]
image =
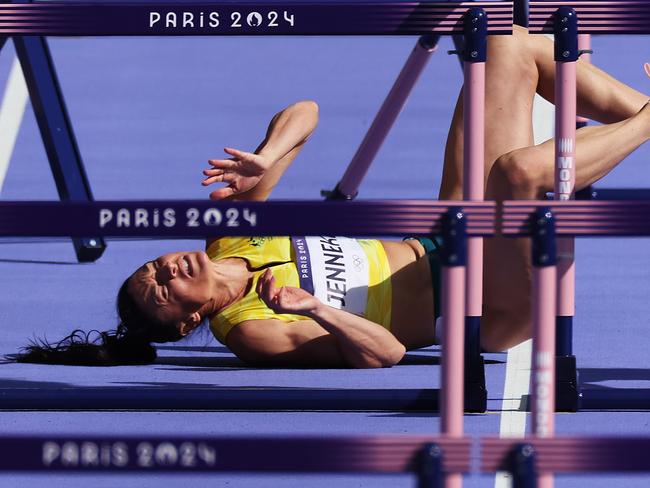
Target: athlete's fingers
[(213, 172), (260, 287), (237, 153), (222, 177), (647, 68), (265, 287), (212, 177), (223, 163), (209, 181), (222, 193)]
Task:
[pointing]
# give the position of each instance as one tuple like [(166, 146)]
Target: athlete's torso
[(350, 274)]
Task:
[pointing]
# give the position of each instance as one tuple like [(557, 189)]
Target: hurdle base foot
[(89, 249), (475, 390), (567, 392)]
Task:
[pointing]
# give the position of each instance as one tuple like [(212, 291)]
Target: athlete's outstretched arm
[(361, 342), (252, 176)]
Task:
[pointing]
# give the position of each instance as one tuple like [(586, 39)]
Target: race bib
[(333, 269)]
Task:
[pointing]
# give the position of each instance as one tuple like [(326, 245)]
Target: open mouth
[(187, 267)]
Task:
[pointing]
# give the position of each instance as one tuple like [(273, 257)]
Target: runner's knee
[(515, 175)]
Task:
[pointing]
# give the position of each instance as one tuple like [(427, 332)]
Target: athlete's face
[(174, 286)]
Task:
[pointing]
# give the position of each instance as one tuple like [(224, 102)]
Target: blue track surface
[(149, 112)]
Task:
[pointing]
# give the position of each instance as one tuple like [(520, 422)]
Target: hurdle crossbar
[(336, 454), (570, 454), (581, 218), (205, 219), (595, 17), (258, 18), (371, 454)]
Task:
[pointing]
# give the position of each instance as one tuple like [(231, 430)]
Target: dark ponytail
[(129, 344)]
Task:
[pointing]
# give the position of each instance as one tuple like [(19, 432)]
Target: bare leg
[(510, 83), (527, 174), (517, 67), (600, 96)]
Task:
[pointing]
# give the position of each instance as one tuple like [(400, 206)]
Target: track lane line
[(515, 399)]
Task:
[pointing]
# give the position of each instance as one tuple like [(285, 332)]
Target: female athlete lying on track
[(373, 299)]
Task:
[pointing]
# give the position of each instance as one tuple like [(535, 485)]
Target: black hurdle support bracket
[(56, 131), (523, 466), (429, 464), (521, 12)]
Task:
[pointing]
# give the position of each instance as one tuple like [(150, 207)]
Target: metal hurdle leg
[(521, 12), (348, 187), (566, 55), (523, 467), (584, 45), (474, 56), (544, 306), (56, 131), (430, 467), (453, 258), (567, 381)]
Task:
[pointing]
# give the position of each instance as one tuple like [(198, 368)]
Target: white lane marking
[(12, 110), (515, 395), (543, 120), (543, 117)]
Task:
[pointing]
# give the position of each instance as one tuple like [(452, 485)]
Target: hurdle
[(429, 20), (548, 223), (568, 20), (428, 458), (527, 460), (206, 218), (27, 23), (471, 48)]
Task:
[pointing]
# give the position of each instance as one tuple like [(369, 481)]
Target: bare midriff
[(412, 304)]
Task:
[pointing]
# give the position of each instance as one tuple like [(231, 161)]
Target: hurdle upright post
[(454, 260), (348, 186), (474, 56), (565, 23), (567, 389), (544, 299)]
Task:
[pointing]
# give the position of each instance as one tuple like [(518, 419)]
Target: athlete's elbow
[(308, 106), (384, 359), (308, 109), (394, 356)]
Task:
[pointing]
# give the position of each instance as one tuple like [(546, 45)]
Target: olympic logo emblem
[(357, 262)]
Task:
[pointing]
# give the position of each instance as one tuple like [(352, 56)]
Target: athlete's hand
[(241, 172), (286, 299)]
